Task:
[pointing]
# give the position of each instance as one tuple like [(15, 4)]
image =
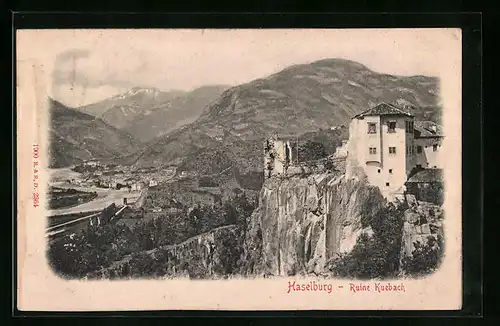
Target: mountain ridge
[(76, 136), (175, 113), (148, 112), (299, 99)]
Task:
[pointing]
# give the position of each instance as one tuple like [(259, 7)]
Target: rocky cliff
[(208, 255), (301, 222), (422, 240)]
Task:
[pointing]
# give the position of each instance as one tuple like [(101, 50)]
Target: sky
[(86, 66)]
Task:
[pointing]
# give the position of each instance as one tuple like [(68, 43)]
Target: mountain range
[(180, 110), (300, 99), (215, 129), (147, 113)]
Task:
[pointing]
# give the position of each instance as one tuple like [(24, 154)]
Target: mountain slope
[(300, 99), (77, 136), (172, 114), (120, 109)]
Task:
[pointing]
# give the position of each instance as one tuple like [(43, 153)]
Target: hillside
[(123, 108), (172, 114), (77, 136)]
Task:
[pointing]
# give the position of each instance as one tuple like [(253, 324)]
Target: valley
[(196, 161)]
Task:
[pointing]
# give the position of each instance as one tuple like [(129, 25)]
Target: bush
[(329, 166), (425, 258), (432, 193), (229, 250), (376, 256), (309, 151), (207, 182), (74, 256), (250, 180)]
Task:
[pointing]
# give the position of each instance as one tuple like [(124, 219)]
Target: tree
[(309, 151), (375, 256), (329, 166), (425, 258)]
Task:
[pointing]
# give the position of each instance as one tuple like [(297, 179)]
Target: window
[(390, 171), (387, 184), (412, 127), (373, 150), (378, 170), (435, 147), (392, 150), (372, 128), (419, 149), (409, 127), (391, 125)]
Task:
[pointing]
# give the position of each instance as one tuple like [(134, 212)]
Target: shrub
[(375, 256), (229, 250), (425, 258), (207, 181), (310, 150), (74, 256), (329, 166), (250, 180)]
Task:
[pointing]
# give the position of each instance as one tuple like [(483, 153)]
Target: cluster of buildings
[(95, 174), (386, 145)]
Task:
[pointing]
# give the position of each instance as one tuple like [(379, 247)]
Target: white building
[(136, 186), (428, 145), (386, 144)]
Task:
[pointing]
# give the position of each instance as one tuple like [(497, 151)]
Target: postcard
[(239, 169)]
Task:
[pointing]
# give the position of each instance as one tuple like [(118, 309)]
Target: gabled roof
[(425, 129), (427, 175), (384, 109)]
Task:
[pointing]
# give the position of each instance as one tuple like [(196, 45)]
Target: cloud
[(72, 54), (95, 69)]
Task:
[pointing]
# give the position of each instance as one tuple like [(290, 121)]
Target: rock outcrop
[(301, 222), (421, 221)]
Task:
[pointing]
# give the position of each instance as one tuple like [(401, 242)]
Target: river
[(105, 197)]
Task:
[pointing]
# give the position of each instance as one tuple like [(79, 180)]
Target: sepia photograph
[(317, 159)]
